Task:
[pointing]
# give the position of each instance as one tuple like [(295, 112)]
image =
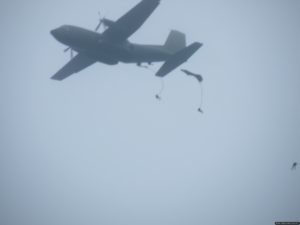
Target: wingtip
[(55, 78), (159, 74), (198, 44)]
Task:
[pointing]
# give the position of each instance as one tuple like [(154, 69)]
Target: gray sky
[(98, 148)]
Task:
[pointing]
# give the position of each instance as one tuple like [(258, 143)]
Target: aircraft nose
[(54, 32)]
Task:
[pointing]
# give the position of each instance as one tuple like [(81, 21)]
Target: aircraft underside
[(134, 54)]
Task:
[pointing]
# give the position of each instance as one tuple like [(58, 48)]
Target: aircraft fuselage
[(94, 45)]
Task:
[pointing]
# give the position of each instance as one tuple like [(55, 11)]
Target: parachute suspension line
[(201, 98), (162, 87), (149, 68)]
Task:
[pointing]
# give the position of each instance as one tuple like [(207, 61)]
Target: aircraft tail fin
[(175, 41)]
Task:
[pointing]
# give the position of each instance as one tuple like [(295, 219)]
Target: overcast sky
[(98, 148)]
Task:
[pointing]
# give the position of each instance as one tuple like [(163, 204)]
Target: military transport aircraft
[(112, 45)]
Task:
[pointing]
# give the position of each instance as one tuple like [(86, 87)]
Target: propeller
[(71, 52), (100, 22), (103, 21)]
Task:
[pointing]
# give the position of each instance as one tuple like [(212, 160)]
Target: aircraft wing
[(78, 63), (124, 27)]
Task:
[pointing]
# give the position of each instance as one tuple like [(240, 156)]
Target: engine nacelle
[(107, 22)]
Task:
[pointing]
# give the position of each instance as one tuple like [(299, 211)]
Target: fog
[(98, 148)]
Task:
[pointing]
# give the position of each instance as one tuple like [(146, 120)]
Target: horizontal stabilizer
[(177, 59)]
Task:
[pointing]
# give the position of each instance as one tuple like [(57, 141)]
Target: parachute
[(199, 79), (197, 76)]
